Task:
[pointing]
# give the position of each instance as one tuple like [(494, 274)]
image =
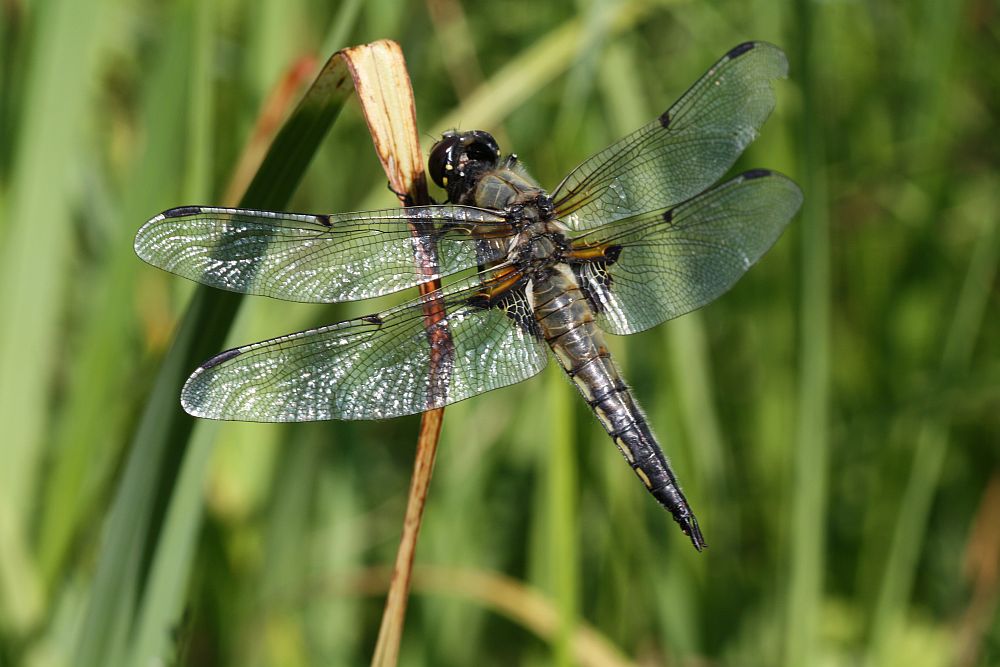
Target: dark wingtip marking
[(740, 49), (181, 211), (668, 215), (665, 118), (756, 173), (219, 358)]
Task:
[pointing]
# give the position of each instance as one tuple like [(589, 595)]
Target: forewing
[(313, 258), (670, 262), (374, 367), (685, 150)]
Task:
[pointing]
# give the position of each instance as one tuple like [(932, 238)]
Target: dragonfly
[(637, 234)]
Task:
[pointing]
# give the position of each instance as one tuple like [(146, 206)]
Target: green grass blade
[(164, 429), (164, 587), (933, 436), (163, 596), (562, 483), (340, 28), (932, 69), (92, 425), (55, 112), (808, 516), (531, 71)]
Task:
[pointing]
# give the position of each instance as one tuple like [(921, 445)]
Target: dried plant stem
[(383, 88), (391, 631)]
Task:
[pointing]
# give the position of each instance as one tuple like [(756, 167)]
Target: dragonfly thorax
[(539, 247)]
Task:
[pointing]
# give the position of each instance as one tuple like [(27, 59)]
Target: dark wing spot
[(594, 279), (479, 301), (515, 305), (740, 49), (611, 254), (756, 173), (181, 211), (373, 319), (665, 118), (668, 216), (324, 220), (219, 358)]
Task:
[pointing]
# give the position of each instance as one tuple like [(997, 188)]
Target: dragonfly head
[(459, 158)]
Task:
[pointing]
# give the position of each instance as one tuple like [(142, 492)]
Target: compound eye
[(443, 156), (482, 147)]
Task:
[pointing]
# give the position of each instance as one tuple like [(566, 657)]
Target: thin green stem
[(808, 517), (562, 484)]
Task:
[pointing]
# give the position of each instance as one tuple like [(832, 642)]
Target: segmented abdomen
[(566, 321)]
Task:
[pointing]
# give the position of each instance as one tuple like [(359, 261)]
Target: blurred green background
[(834, 418)]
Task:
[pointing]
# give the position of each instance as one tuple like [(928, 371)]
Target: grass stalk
[(54, 116), (562, 483), (532, 70), (932, 442), (163, 432), (808, 502), (93, 416)]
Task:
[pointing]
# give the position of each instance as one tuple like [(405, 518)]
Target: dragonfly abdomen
[(566, 321)]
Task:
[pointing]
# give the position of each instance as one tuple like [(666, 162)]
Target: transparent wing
[(375, 367), (665, 263), (313, 258), (682, 152)]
